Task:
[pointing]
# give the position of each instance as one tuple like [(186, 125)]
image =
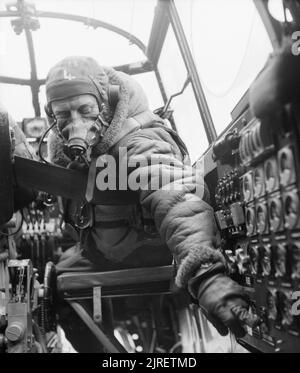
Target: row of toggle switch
[(228, 189)]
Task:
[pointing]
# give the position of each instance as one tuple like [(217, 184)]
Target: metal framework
[(25, 18), (27, 21), (192, 72)]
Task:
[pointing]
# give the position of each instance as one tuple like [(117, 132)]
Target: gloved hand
[(222, 300)]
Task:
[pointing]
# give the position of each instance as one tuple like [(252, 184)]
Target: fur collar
[(132, 103)]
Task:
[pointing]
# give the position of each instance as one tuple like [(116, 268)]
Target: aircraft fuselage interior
[(226, 78)]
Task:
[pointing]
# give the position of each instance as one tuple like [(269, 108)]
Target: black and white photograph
[(149, 179)]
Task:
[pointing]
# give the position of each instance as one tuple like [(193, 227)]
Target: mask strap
[(103, 125)]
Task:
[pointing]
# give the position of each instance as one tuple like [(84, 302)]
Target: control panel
[(257, 209)]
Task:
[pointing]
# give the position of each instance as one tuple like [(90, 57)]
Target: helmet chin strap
[(102, 127), (103, 124)]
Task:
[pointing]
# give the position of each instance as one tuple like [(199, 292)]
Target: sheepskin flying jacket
[(183, 221)]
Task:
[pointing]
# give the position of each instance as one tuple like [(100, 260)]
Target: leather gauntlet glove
[(221, 299)]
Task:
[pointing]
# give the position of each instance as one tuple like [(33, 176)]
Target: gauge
[(34, 127), (285, 307), (256, 138), (271, 172), (291, 209), (250, 144), (271, 305), (275, 212), (279, 256), (259, 186), (247, 187), (245, 153), (265, 260), (250, 220), (286, 166), (295, 262), (242, 150), (261, 218), (253, 256), (248, 147)]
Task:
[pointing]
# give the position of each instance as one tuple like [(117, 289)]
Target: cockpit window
[(230, 46), (133, 16), (150, 85), (17, 100), (185, 110), (14, 59), (227, 39), (67, 38), (56, 38)]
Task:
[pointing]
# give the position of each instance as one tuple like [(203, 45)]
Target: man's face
[(79, 110), (76, 120)]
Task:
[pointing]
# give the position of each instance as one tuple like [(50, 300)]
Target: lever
[(245, 317)]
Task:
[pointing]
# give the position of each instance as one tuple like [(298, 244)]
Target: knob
[(295, 261), (15, 331), (272, 311), (265, 260), (225, 145), (285, 308), (242, 260), (279, 258), (253, 255)]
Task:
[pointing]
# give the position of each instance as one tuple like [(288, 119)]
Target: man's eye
[(85, 110), (62, 115)]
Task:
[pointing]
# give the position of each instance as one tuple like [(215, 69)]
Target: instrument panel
[(256, 197)]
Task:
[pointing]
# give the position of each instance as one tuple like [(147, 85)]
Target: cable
[(176, 345), (41, 142), (40, 339)]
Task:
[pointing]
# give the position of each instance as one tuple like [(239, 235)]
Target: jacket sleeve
[(175, 195)]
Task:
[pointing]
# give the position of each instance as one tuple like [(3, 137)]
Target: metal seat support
[(110, 343)]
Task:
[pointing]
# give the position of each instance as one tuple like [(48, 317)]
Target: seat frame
[(76, 286)]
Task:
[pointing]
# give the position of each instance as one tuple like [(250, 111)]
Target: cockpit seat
[(117, 283)]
